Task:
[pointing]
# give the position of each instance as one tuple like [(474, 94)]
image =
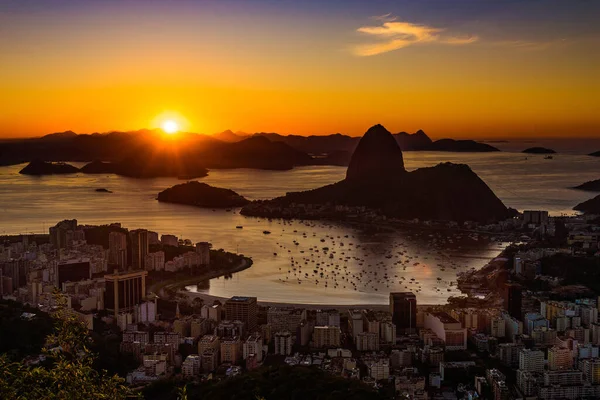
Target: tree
[(66, 371)]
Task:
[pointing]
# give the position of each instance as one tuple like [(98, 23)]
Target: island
[(103, 190), (591, 206), (595, 154), (539, 150), (590, 186), (39, 168), (99, 167), (198, 194), (377, 183), (461, 146)]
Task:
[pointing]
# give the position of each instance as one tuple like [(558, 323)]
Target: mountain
[(38, 167), (202, 195), (413, 142), (376, 179), (315, 144), (591, 186), (595, 154), (376, 157), (230, 137), (591, 206), (539, 150)]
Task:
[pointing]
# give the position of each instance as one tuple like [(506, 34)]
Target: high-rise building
[(448, 329), (356, 322), (403, 307), (367, 341), (591, 370), (203, 250), (124, 290), (209, 342), (559, 358), (169, 240), (328, 318), (59, 234), (326, 336), (512, 295), (191, 367), (231, 350), (285, 319), (283, 343), (117, 249), (531, 360), (243, 309), (73, 271), (139, 248), (254, 345)]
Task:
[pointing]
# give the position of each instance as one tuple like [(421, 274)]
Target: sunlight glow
[(170, 127)]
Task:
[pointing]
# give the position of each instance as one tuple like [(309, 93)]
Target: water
[(32, 204)]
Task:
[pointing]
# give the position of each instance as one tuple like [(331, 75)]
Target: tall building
[(243, 309), (191, 366), (124, 290), (512, 295), (367, 341), (326, 336), (254, 345), (59, 234), (448, 329), (203, 250), (285, 319), (283, 343), (73, 271), (403, 307), (356, 322), (559, 358), (591, 369), (328, 318), (531, 360), (209, 342), (231, 350), (139, 248), (117, 249)]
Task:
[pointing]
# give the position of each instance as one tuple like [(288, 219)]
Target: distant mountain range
[(147, 153)]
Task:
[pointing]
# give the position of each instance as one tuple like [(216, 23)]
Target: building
[(533, 321), (73, 271), (169, 240), (367, 341), (356, 322), (388, 332), (199, 327), (531, 217), (117, 249), (231, 350), (243, 309), (285, 319), (508, 353), (139, 248), (497, 327), (211, 312), (512, 295), (591, 370), (283, 343), (559, 358), (531, 360), (210, 359), (124, 290), (253, 346), (191, 367), (448, 329), (155, 261), (207, 342), (327, 318), (403, 307), (379, 369), (62, 232), (326, 336), (203, 250)]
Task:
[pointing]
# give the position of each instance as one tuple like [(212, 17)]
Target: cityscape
[(406, 206)]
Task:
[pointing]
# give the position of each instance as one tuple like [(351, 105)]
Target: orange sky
[(91, 67)]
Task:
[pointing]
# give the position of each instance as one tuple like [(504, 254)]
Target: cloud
[(394, 35), (530, 45)]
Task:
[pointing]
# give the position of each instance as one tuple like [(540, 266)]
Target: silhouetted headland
[(38, 167), (539, 150), (591, 206), (202, 195), (590, 186), (595, 154)]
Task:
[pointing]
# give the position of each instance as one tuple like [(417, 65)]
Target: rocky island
[(591, 206), (595, 154), (376, 181), (39, 168), (539, 150), (590, 186), (103, 190), (202, 195)]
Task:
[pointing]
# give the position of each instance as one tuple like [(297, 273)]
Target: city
[(519, 337)]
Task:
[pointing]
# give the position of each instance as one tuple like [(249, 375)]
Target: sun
[(170, 126)]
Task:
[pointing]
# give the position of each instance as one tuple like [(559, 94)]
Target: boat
[(548, 158), (239, 227), (267, 232)]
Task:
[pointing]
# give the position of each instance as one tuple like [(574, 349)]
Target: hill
[(595, 154), (591, 186), (591, 206), (539, 150), (202, 195), (38, 167), (376, 179)]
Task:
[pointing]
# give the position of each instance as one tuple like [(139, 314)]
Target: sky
[(454, 68)]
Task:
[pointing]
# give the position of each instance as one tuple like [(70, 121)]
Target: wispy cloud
[(393, 35), (530, 45)]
